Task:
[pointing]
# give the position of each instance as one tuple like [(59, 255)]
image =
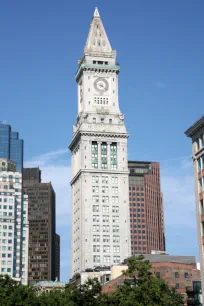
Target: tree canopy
[(140, 288)]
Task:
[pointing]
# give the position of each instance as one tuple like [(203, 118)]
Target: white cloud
[(177, 185), (179, 200), (160, 84), (56, 171), (45, 159)]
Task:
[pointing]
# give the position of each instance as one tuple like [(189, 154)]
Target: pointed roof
[(96, 13), (97, 41)]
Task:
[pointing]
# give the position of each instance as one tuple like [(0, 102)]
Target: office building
[(57, 257), (196, 133), (41, 216), (14, 227), (146, 207), (100, 202), (11, 147)]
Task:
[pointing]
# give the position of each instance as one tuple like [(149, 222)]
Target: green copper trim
[(116, 67)]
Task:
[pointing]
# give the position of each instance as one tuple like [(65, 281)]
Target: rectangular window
[(115, 199), (104, 179), (115, 219), (96, 248), (202, 140), (95, 198), (115, 228), (105, 199), (104, 189), (106, 259), (96, 228), (106, 228), (199, 164), (113, 155), (95, 208), (106, 248), (96, 259), (105, 208), (94, 151), (116, 238), (158, 274), (177, 286), (105, 218), (95, 189), (201, 207), (95, 218), (115, 209), (114, 189), (186, 275), (116, 249), (200, 183), (176, 275), (106, 238), (202, 162), (114, 180), (116, 259), (95, 179), (104, 155)]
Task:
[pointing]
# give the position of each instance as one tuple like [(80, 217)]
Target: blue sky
[(160, 49)]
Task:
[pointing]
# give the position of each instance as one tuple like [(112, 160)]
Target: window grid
[(101, 100)]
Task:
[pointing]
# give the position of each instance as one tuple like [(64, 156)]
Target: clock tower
[(100, 193)]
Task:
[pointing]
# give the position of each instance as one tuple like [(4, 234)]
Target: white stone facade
[(100, 193), (14, 228), (196, 132)]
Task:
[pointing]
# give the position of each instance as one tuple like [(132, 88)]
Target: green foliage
[(13, 293), (140, 288)]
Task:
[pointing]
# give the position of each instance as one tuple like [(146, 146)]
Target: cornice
[(95, 67), (198, 125), (99, 171), (108, 135)]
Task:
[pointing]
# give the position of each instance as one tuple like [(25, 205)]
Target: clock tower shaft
[(100, 191)]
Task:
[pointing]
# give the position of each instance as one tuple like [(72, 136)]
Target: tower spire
[(96, 13), (97, 41)]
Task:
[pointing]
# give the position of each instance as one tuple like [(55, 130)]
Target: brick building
[(179, 272), (146, 207)]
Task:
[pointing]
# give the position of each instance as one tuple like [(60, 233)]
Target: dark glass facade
[(11, 147), (43, 241)]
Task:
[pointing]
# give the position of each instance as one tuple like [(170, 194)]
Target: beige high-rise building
[(196, 133), (100, 199)]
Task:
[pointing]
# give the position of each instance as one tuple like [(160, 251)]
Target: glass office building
[(11, 147), (14, 227)]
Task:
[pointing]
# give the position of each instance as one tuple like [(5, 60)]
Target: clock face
[(101, 85)]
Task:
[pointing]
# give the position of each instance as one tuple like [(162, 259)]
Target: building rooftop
[(169, 258), (195, 127), (50, 284)]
